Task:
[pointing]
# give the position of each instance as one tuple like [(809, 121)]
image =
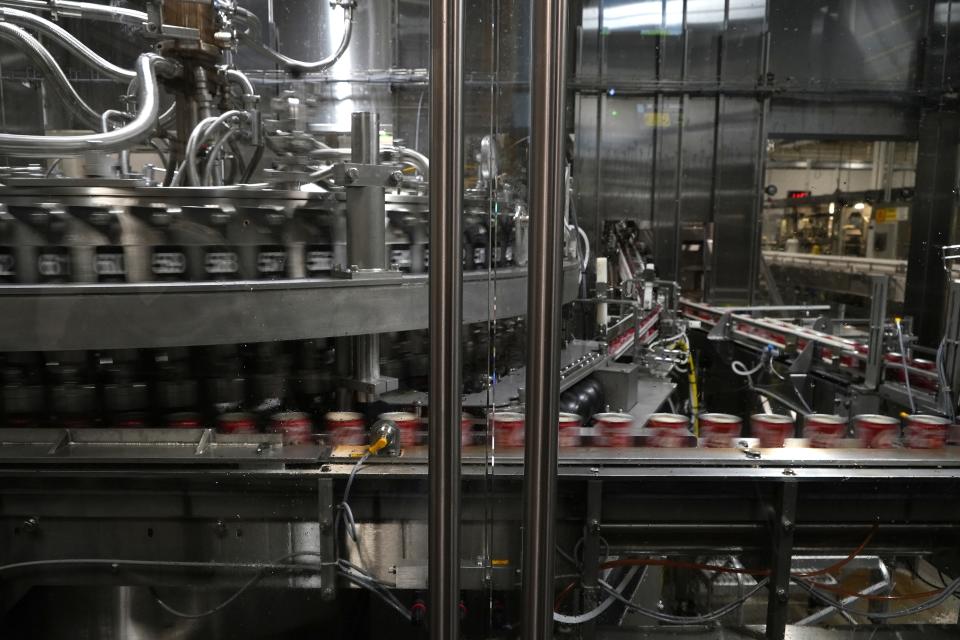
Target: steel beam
[(543, 323), (446, 310)]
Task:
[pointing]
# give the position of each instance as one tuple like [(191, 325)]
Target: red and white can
[(876, 431), (570, 429), (669, 430), (294, 426), (920, 381), (408, 424), (507, 429), (613, 429), (771, 429), (925, 432), (719, 429), (236, 422), (824, 431), (346, 428)]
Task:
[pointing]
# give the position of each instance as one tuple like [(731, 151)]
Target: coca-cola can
[(719, 429), (613, 429), (925, 432), (346, 428), (771, 429), (408, 424), (507, 429), (294, 426), (876, 431), (669, 430), (570, 429), (824, 431)]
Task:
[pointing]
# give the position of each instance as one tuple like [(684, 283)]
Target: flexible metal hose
[(64, 38), (253, 37), (89, 10), (47, 65), (139, 129)]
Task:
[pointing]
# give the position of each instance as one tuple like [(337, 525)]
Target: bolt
[(594, 527), (325, 469), (221, 529), (787, 524), (328, 593), (789, 472), (781, 594), (396, 177), (31, 525), (352, 174)]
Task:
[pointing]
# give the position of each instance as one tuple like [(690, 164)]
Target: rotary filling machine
[(272, 367)]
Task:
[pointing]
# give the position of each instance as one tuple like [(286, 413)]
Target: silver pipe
[(46, 63), (141, 127), (416, 159), (64, 38), (239, 78), (446, 314), (253, 37), (544, 296), (71, 9)]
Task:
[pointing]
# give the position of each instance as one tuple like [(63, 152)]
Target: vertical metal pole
[(782, 552), (446, 313), (366, 208), (879, 288), (543, 315)]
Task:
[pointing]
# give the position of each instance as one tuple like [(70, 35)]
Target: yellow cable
[(692, 380)]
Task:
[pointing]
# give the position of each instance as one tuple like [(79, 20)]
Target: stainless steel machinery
[(406, 319)]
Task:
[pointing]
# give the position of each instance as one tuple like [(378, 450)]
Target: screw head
[(352, 174), (396, 177)]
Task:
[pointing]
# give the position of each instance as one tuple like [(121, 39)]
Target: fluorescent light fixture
[(833, 208), (859, 206)]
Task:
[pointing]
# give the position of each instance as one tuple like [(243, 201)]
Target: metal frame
[(548, 24), (446, 301)]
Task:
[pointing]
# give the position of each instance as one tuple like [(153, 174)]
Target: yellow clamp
[(381, 443)]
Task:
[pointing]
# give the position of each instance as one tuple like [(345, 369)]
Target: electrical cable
[(672, 619), (114, 564), (599, 609), (909, 611)]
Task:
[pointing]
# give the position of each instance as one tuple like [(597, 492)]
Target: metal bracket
[(367, 175), (949, 254), (721, 330)]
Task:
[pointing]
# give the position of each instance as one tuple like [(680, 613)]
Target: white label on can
[(110, 264), (319, 261), (480, 256), (221, 262), (168, 263), (53, 265), (272, 262)]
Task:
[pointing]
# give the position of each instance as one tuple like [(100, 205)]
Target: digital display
[(798, 195)]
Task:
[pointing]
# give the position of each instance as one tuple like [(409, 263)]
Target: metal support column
[(591, 555), (366, 207), (446, 313), (931, 219), (779, 587), (543, 315), (879, 290)]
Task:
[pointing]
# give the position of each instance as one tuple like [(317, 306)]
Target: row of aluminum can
[(666, 430)]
